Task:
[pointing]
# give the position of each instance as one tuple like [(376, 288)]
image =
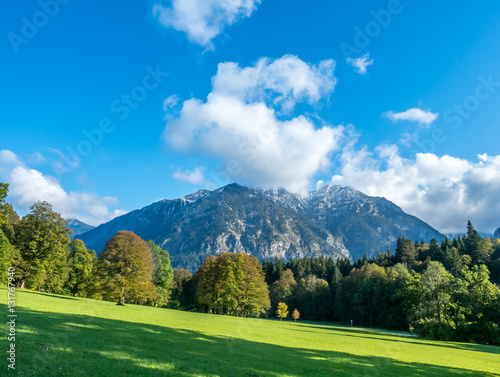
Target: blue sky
[(157, 100)]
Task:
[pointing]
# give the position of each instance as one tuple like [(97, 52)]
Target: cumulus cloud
[(413, 115), (29, 185), (283, 82), (443, 191), (192, 176), (203, 20), (360, 63), (239, 123)]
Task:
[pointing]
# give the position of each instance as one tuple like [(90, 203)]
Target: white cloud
[(283, 82), (413, 115), (203, 20), (443, 191), (239, 125), (360, 63), (8, 158), (27, 186), (192, 176)]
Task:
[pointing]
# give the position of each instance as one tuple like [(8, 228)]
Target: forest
[(447, 291)]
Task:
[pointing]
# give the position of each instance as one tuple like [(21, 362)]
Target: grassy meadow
[(65, 336)]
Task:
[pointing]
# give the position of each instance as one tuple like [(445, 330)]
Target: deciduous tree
[(125, 268), (81, 263), (282, 311), (163, 273), (232, 283), (4, 207), (43, 237), (6, 255)]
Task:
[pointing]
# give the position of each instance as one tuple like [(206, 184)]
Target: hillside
[(333, 221), (64, 336), (78, 227)]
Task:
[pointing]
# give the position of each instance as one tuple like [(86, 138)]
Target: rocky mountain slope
[(79, 227), (334, 221)]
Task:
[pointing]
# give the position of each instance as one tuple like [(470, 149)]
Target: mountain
[(79, 227), (497, 233), (333, 221)]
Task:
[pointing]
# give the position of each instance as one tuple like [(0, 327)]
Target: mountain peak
[(78, 227), (334, 221)]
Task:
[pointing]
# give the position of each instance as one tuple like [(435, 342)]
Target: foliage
[(474, 246), (6, 255), (125, 269), (497, 233), (81, 264), (295, 315), (163, 273), (232, 284), (283, 289), (182, 294), (42, 240), (314, 298), (4, 207), (282, 310)]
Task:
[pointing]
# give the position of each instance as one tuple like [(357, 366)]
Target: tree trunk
[(121, 300), (439, 312)]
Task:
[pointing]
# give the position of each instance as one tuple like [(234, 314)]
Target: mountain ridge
[(335, 221), (78, 227)]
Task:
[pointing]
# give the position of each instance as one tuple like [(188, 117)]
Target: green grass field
[(64, 336)]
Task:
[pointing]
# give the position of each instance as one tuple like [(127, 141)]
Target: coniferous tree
[(435, 252), (474, 246), (452, 261)]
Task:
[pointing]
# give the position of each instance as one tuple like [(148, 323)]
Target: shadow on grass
[(51, 295), (51, 344), (360, 333)]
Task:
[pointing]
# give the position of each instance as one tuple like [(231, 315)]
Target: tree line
[(438, 290), (446, 290), (40, 248)]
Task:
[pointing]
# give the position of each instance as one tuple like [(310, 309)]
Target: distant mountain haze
[(497, 233), (333, 221), (78, 227)]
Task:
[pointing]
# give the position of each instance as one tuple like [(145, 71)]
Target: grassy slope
[(63, 336)]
